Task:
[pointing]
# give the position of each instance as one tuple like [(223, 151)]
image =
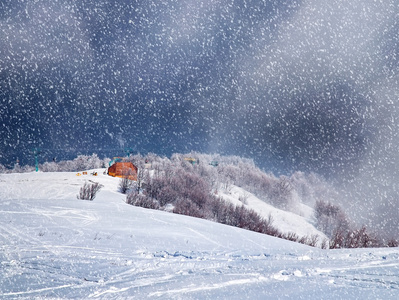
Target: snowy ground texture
[(53, 245)]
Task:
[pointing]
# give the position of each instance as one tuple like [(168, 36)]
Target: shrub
[(125, 184), (291, 236), (49, 167), (167, 195), (188, 208), (141, 201), (324, 244), (330, 218), (393, 243), (312, 240), (89, 191), (355, 238), (281, 193)]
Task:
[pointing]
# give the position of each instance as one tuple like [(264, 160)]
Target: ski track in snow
[(105, 249)]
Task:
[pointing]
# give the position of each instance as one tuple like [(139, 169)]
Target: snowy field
[(56, 246)]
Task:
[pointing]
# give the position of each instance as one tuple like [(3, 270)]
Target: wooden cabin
[(122, 169)]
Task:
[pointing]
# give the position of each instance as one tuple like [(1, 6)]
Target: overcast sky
[(296, 85)]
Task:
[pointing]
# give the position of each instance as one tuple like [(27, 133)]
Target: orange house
[(121, 169)]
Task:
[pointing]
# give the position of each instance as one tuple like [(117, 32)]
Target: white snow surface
[(54, 246), (285, 221)]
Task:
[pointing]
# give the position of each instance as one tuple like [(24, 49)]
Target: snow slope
[(53, 245), (284, 221)]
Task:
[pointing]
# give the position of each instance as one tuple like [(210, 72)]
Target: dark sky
[(306, 85)]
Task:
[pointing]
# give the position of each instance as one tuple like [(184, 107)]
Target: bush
[(281, 193), (291, 236), (188, 208), (141, 200), (356, 238), (167, 195), (89, 191), (126, 184), (330, 218), (393, 243)]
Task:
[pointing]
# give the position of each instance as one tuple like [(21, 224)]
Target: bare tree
[(330, 218), (142, 201), (89, 191), (281, 193), (142, 176), (244, 197), (393, 243), (125, 184)]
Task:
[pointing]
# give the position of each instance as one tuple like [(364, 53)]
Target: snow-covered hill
[(56, 246), (284, 221)]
